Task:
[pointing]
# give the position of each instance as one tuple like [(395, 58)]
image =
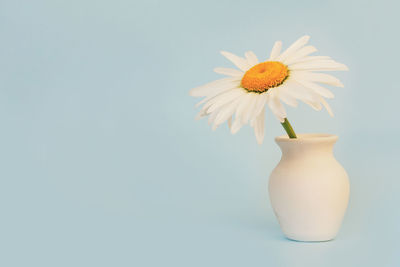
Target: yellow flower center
[(265, 75)]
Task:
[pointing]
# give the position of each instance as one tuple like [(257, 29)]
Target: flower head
[(285, 77)]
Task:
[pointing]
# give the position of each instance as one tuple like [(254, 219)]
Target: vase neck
[(307, 145)]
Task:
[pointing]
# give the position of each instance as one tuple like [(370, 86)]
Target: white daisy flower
[(285, 77)]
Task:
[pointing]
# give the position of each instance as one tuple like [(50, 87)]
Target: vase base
[(310, 240)]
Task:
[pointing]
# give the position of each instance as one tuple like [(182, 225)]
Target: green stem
[(288, 128)]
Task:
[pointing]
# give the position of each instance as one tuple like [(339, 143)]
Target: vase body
[(309, 189)]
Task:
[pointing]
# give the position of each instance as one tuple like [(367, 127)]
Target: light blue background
[(102, 163)]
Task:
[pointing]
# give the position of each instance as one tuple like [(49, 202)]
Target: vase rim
[(309, 137)]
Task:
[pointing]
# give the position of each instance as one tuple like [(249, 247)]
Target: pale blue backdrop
[(103, 164)]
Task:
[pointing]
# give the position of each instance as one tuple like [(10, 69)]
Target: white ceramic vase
[(309, 189)]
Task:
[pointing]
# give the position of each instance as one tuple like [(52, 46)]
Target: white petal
[(226, 112), (201, 90), (241, 110), (252, 121), (222, 99), (243, 105), (298, 91), (276, 107), (326, 105), (217, 92), (215, 86), (204, 100), (285, 96), (319, 60), (309, 59), (251, 58), (200, 115), (259, 126), (301, 53), (229, 72), (250, 108), (316, 88), (314, 104), (318, 77), (209, 101), (261, 101), (237, 124), (212, 117), (275, 50), (320, 65), (293, 48), (225, 100), (239, 62), (230, 122)]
